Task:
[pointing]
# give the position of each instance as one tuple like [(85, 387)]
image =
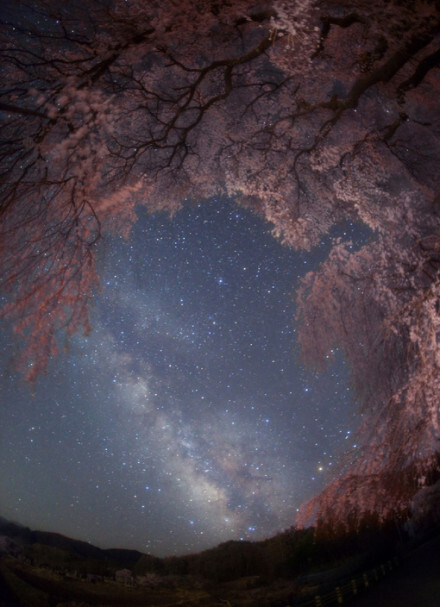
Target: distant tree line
[(289, 554)]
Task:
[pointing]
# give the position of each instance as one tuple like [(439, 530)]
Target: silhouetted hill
[(288, 555), (130, 557), (27, 537)]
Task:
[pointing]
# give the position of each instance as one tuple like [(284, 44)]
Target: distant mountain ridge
[(25, 536), (289, 554)]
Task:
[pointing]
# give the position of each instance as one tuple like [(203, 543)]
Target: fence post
[(339, 595), (318, 602), (366, 582)]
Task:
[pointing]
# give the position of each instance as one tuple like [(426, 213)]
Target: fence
[(349, 588)]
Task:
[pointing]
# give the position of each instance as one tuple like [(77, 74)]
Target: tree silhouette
[(307, 112)]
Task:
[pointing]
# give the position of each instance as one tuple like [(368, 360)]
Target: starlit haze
[(185, 418)]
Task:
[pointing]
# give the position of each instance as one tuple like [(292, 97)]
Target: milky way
[(185, 418)]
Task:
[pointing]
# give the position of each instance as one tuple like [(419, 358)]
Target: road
[(415, 583)]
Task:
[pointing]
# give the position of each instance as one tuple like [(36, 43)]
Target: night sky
[(185, 419)]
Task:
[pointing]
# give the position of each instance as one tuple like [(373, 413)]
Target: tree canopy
[(308, 112)]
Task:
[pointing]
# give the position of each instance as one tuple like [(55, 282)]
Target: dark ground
[(6, 597)]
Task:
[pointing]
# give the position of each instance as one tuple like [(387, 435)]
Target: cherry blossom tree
[(310, 113)]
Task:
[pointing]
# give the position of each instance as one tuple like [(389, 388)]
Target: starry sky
[(185, 419)]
